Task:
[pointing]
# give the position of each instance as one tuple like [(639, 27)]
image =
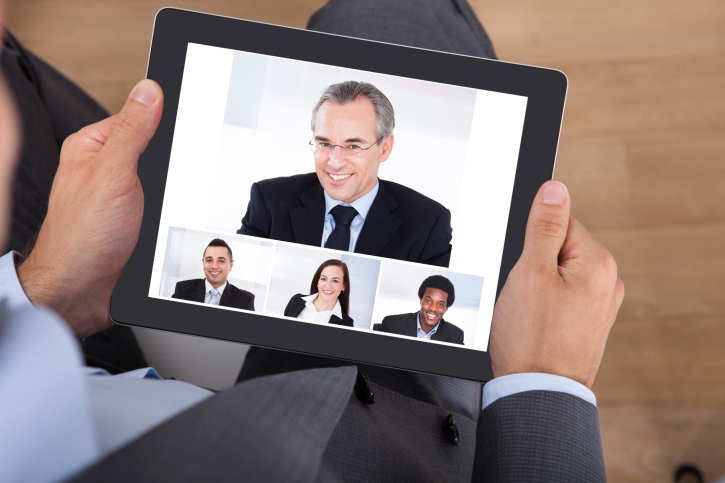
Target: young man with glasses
[(343, 205)]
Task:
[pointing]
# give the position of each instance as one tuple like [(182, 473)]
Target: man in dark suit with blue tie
[(214, 288), (344, 205)]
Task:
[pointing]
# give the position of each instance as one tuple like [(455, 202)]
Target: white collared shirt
[(362, 206), (421, 333), (207, 297), (310, 311)]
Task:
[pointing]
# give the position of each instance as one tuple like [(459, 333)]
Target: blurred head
[(332, 282), (217, 262), (9, 145), (356, 115), (436, 294)]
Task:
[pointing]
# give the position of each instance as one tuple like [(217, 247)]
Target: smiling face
[(330, 283), (347, 178), (432, 307), (217, 265)]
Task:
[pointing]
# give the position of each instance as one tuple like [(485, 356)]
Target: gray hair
[(349, 91)]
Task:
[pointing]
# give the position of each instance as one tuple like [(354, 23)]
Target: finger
[(619, 293), (133, 127), (578, 240), (547, 226)]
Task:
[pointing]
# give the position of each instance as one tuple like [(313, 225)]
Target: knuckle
[(550, 226), (127, 124)]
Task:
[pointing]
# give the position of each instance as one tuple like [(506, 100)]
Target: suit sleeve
[(177, 291), (539, 436), (288, 309), (460, 338), (250, 303), (437, 249), (255, 221)]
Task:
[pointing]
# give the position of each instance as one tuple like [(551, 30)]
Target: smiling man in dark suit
[(436, 295), (214, 289), (343, 205)]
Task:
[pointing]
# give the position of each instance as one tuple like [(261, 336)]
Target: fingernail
[(144, 92), (554, 193)]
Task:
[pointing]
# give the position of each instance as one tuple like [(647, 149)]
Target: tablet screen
[(328, 195)]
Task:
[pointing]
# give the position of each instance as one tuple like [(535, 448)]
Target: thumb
[(134, 126), (547, 226)]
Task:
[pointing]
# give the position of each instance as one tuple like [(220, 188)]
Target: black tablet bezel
[(174, 29)]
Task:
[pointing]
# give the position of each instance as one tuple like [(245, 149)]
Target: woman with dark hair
[(329, 297)]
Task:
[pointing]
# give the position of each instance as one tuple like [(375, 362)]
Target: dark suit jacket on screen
[(402, 224), (195, 290), (406, 324), (296, 304)]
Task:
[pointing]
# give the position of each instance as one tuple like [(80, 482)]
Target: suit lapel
[(227, 296), (297, 308), (380, 225), (200, 291), (411, 325), (308, 221), (440, 334)]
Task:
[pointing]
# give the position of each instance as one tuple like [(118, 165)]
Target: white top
[(310, 311), (207, 297)]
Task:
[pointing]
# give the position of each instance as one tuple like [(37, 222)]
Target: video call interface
[(327, 195)]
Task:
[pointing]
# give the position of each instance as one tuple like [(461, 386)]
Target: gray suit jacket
[(311, 426)]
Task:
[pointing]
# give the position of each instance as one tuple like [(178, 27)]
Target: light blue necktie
[(214, 300)]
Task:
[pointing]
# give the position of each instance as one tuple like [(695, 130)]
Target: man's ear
[(387, 146), (231, 264)]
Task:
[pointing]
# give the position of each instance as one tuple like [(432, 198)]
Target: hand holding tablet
[(564, 329)]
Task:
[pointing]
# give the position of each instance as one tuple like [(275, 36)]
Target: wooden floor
[(642, 151)]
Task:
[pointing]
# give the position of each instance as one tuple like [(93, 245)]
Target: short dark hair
[(218, 242), (441, 283), (344, 297)]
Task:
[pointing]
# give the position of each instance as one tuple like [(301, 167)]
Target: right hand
[(560, 300)]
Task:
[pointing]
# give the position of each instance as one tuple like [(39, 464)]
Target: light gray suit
[(300, 418)]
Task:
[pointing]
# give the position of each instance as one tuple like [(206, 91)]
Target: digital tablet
[(335, 196)]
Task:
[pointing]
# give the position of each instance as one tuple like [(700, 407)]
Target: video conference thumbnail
[(361, 165), (304, 283)]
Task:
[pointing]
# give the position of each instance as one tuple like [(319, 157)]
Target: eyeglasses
[(352, 149)]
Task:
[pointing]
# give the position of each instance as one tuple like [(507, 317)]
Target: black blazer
[(296, 304), (402, 224), (406, 324), (195, 290)]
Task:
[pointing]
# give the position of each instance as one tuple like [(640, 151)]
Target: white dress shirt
[(207, 297), (362, 206), (421, 333), (310, 311), (57, 416)]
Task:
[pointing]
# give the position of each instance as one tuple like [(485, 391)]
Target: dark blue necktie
[(339, 239)]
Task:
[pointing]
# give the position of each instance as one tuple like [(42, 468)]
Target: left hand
[(94, 215)]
